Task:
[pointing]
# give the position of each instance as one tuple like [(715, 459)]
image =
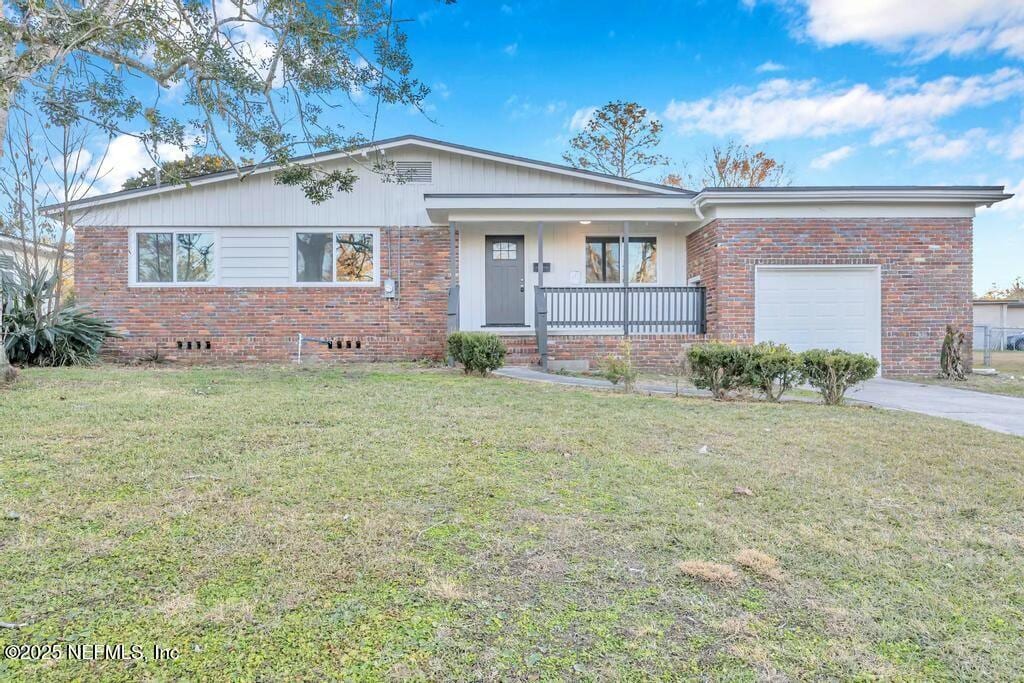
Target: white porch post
[(625, 278), (453, 285), (540, 304)]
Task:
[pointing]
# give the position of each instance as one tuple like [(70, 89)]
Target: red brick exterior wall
[(702, 261), (650, 351), (262, 323), (926, 268)]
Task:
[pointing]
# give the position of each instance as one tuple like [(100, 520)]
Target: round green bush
[(479, 352)]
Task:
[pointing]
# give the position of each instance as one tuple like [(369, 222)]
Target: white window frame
[(133, 256), (375, 232), (622, 275)]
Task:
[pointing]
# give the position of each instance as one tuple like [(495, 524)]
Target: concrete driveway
[(991, 411), (999, 413)]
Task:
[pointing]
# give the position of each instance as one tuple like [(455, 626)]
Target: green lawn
[(384, 522), (1009, 381)]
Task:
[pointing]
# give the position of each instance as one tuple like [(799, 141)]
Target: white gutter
[(974, 196)]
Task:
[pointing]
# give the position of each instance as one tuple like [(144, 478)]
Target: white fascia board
[(847, 202), (973, 196), (671, 208)]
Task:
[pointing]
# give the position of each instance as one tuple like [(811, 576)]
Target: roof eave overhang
[(969, 196), (474, 208)]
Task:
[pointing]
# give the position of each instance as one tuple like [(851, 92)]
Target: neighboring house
[(229, 270), (1003, 318), (18, 255)]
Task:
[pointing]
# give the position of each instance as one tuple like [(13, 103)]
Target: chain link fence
[(988, 339)]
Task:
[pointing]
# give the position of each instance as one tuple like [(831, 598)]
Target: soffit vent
[(413, 171)]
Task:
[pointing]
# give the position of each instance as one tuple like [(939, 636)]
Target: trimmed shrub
[(718, 367), (618, 369), (37, 333), (477, 351), (833, 372), (772, 369)]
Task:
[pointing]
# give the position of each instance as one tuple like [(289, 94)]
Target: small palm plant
[(36, 330)]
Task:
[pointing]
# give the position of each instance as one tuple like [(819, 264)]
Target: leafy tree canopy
[(736, 165), (733, 165), (618, 139), (172, 172), (261, 78), (1014, 292)]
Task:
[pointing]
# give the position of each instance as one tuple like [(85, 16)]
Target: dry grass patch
[(445, 588), (711, 572), (760, 563)]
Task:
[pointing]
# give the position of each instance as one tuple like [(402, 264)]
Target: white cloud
[(938, 147), (125, 157), (769, 67), (829, 159), (580, 118), (927, 30), (442, 90), (1015, 145), (1014, 204), (782, 108), (523, 107), (512, 49)]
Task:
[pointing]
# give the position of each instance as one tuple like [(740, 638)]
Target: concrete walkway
[(999, 413)]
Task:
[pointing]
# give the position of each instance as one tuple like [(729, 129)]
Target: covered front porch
[(578, 273)]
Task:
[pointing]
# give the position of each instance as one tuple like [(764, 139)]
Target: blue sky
[(904, 99), (867, 92)]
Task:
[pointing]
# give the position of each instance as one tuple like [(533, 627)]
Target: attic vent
[(6, 267), (413, 171)]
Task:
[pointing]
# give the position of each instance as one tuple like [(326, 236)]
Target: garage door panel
[(819, 308)]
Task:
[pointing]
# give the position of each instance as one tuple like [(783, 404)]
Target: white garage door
[(831, 307)]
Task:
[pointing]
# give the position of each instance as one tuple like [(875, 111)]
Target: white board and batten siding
[(259, 202), (254, 220)]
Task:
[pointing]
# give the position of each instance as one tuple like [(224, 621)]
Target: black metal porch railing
[(631, 310)]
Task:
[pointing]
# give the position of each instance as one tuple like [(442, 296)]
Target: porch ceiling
[(526, 208)]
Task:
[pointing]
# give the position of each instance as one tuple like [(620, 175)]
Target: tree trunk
[(5, 105), (7, 372)]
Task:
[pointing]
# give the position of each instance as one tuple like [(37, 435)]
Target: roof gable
[(590, 180)]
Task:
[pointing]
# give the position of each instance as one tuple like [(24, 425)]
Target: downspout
[(696, 208)]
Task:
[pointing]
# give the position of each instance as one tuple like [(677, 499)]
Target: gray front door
[(504, 280)]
